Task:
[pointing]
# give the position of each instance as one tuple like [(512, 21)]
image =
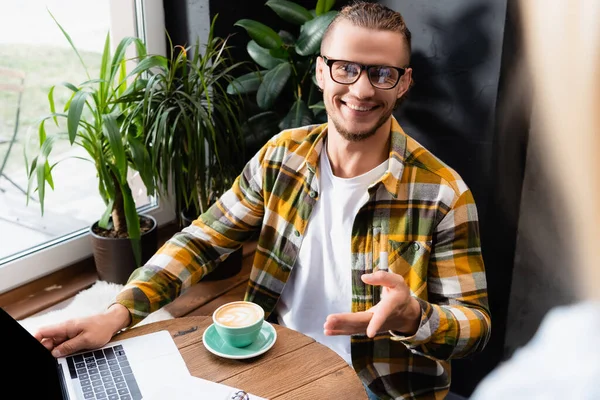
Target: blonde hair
[(562, 42), (371, 16)]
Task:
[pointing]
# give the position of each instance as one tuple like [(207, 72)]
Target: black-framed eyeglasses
[(348, 72)]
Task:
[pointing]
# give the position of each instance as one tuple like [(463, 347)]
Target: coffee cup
[(238, 323)]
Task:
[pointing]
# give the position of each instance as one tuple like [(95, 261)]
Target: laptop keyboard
[(104, 374)]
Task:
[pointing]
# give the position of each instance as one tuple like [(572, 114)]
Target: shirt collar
[(396, 159)]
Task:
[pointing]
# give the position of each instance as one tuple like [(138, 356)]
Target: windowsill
[(54, 288)]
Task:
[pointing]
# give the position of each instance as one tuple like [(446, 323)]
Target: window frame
[(44, 259)]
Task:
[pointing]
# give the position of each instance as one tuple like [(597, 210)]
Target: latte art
[(238, 315)]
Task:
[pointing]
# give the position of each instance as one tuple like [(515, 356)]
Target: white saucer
[(265, 340)]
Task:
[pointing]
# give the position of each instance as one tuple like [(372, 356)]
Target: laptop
[(128, 369)]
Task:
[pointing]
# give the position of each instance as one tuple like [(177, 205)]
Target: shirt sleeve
[(195, 251), (455, 319)]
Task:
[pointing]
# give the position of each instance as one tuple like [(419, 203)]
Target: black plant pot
[(187, 218), (114, 256)]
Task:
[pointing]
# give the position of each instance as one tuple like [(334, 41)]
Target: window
[(32, 246)]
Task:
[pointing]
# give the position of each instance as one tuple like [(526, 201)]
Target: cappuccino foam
[(238, 315)]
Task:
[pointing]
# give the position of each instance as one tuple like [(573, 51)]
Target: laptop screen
[(29, 366)]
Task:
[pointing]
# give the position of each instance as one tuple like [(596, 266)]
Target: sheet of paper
[(190, 387)]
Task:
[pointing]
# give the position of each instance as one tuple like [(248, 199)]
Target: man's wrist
[(412, 316), (120, 315)]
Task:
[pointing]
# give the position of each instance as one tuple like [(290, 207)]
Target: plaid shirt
[(420, 215)]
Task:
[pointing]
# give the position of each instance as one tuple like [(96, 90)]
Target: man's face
[(357, 111)]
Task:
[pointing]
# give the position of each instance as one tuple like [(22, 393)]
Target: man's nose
[(362, 88)]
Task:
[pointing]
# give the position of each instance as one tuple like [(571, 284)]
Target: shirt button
[(313, 194), (416, 246), (296, 232)]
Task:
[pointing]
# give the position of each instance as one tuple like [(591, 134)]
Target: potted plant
[(122, 239), (283, 84), (191, 125)]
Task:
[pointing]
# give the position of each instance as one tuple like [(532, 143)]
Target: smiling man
[(368, 243), (402, 221)]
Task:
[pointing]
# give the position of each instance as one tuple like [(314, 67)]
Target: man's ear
[(405, 83), (319, 70)]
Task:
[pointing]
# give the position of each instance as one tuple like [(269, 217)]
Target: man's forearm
[(118, 317)]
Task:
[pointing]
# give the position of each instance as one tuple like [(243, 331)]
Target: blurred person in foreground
[(368, 242), (562, 360)]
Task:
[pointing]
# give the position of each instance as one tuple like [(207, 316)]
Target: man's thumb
[(66, 348)]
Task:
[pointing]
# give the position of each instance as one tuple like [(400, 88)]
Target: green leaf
[(310, 38), (71, 43), (120, 53), (141, 162), (299, 115), (280, 54), (146, 64), (317, 107), (272, 85), (247, 83), (104, 219), (323, 6), (133, 223), (74, 114), (115, 144), (290, 12), (42, 169), (52, 104), (260, 33), (104, 74), (261, 56)]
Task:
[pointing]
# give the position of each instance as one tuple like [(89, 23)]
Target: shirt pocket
[(410, 259)]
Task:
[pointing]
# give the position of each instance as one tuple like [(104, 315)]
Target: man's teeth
[(358, 108)]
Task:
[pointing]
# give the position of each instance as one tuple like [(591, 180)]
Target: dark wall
[(176, 25)]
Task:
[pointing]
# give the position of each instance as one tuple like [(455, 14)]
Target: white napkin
[(192, 388)]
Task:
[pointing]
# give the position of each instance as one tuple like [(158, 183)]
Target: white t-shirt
[(321, 280)]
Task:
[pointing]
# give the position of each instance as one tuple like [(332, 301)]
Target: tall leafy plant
[(283, 83), (190, 121), (94, 119)]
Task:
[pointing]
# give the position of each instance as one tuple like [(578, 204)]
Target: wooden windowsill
[(49, 290)]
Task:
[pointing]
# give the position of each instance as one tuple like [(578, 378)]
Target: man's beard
[(360, 135)]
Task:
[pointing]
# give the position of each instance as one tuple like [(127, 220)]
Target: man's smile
[(360, 107)]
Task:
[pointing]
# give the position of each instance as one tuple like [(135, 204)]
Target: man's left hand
[(397, 310)]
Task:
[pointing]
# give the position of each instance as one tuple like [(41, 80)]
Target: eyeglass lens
[(380, 76)]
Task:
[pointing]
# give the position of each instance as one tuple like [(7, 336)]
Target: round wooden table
[(296, 367)]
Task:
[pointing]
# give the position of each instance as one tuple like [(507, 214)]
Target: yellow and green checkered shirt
[(420, 214)]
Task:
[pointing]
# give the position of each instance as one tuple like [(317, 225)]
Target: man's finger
[(47, 343), (347, 323), (52, 331), (383, 278), (69, 347)]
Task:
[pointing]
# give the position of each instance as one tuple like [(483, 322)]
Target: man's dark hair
[(371, 16)]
